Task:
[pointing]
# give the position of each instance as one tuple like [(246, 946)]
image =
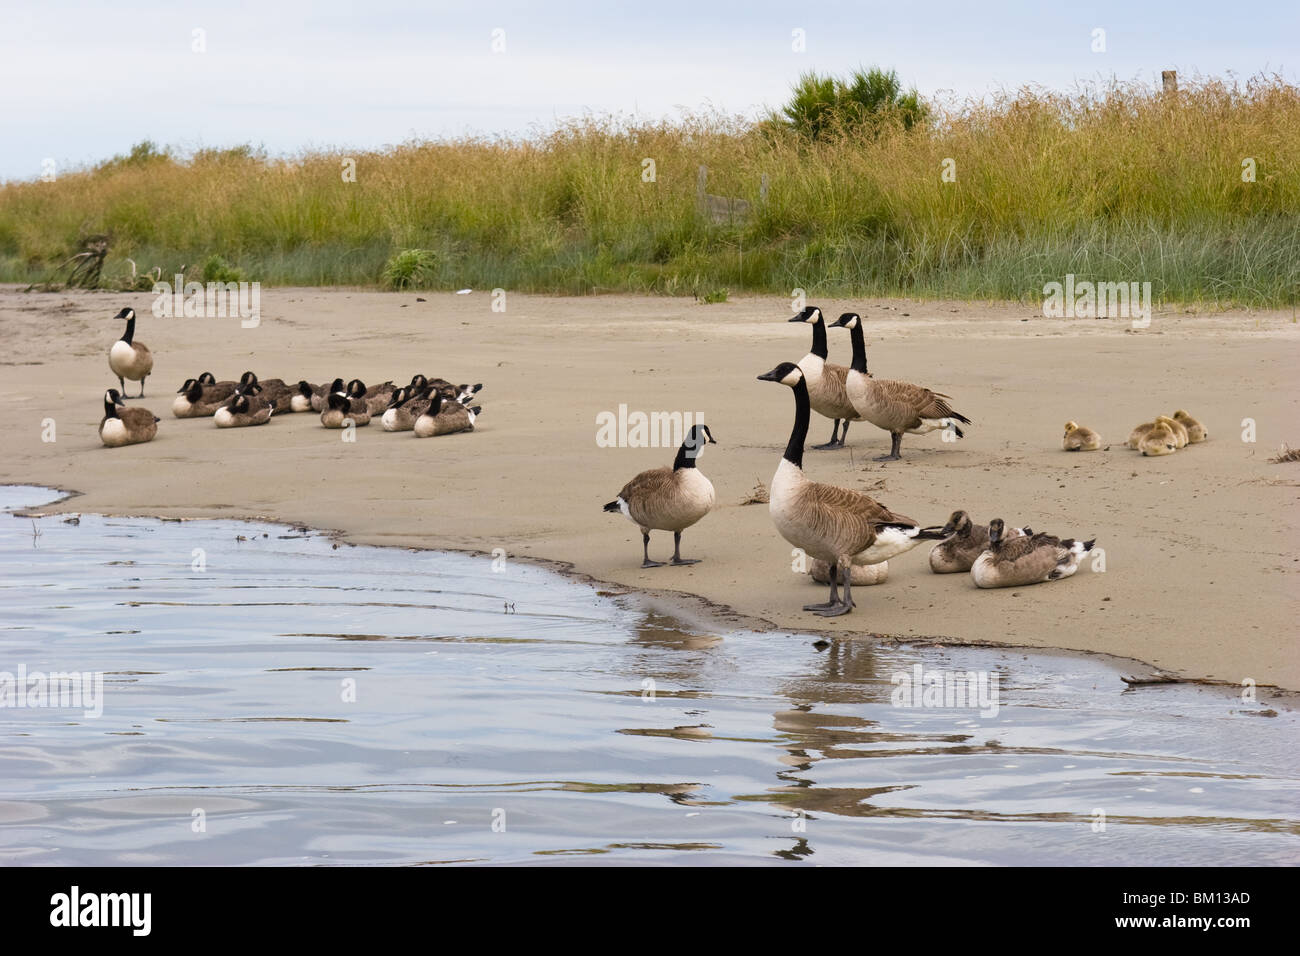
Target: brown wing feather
[(832, 399)]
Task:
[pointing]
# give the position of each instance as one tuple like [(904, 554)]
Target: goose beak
[(769, 377), (797, 318), (838, 323)]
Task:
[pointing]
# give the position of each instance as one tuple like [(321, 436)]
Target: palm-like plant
[(819, 104)]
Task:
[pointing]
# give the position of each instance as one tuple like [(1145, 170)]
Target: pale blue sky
[(81, 81)]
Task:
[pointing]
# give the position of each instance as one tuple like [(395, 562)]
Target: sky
[(83, 81)]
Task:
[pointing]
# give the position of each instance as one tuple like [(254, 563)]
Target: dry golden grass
[(1117, 184)]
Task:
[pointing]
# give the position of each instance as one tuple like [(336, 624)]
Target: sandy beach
[(1200, 562)]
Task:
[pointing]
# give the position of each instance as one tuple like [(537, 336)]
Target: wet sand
[(1200, 560)]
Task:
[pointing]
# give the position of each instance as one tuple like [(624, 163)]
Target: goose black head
[(207, 378), (112, 399), (336, 385), (399, 397), (808, 314), (787, 373), (126, 315), (849, 320), (248, 378), (996, 527), (339, 401), (194, 392), (418, 381), (304, 388), (699, 436), (356, 388), (189, 383), (435, 405), (238, 403)]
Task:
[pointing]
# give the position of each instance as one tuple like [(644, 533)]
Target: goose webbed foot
[(836, 441), (895, 451), (835, 610), (677, 551), (821, 607), (647, 563)]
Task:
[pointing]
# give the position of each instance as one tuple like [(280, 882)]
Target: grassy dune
[(1118, 184)]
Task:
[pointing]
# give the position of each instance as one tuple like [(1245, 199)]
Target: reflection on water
[(271, 698)]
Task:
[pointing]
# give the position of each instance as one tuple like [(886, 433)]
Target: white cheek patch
[(792, 379)]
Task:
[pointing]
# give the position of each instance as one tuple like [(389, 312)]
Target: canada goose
[(125, 426), (826, 382), (242, 409), (1013, 562), (862, 576), (669, 499), (319, 393), (1195, 430), (407, 404), (274, 391), (445, 418), (130, 359), (308, 394), (340, 410), (841, 527), (1158, 440), (1137, 434), (213, 391), (377, 397), (1178, 429), (896, 407), (964, 542), (1079, 438), (194, 401)]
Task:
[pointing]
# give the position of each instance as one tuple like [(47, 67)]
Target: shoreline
[(701, 615), (1179, 595)]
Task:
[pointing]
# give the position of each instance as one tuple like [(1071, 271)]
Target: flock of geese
[(428, 406), (845, 531)]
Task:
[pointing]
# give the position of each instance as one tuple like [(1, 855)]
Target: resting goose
[(1178, 429), (445, 418), (826, 382), (1079, 438), (1014, 562), (340, 410), (195, 401), (896, 407), (1157, 440), (669, 499), (125, 426), (1195, 430), (128, 358), (242, 409), (841, 527), (966, 541)]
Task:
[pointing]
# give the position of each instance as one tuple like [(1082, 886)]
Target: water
[(270, 699)]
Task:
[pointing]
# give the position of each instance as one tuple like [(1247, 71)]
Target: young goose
[(896, 407), (669, 499), (1178, 429), (242, 409), (841, 527), (1195, 430), (194, 401), (1137, 434), (340, 410), (1158, 440), (1079, 438), (827, 390), (125, 426), (130, 359), (1013, 562), (445, 418), (965, 542)]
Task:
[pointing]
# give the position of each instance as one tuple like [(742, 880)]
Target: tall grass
[(1112, 184)]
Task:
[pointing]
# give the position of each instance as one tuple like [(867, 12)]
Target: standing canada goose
[(1079, 438), (1013, 562), (1158, 440), (896, 407), (1178, 429), (340, 410), (130, 359), (669, 499), (445, 418), (242, 409), (965, 542), (1195, 430), (841, 527), (826, 382), (125, 426), (194, 401)]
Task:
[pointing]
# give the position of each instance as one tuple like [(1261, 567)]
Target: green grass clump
[(977, 199)]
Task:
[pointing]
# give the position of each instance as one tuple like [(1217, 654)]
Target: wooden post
[(1170, 80), (762, 190)]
